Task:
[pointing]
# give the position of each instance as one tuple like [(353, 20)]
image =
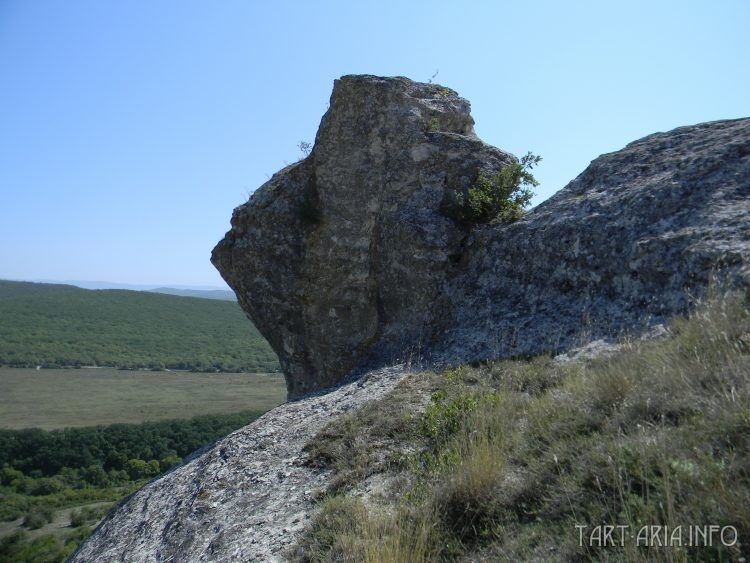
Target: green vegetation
[(49, 548), (64, 326), (42, 453), (56, 485), (58, 398), (509, 457), (501, 197), (71, 477), (305, 147)]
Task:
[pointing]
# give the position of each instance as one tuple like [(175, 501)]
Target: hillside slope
[(58, 325), (346, 260), (494, 463), (223, 294)]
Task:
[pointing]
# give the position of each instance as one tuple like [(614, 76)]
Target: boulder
[(347, 260), (340, 258)]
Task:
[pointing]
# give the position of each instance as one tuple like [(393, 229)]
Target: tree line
[(63, 326), (38, 453)]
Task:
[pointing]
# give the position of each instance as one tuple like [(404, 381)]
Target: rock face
[(246, 498), (343, 256), (624, 246), (344, 260)]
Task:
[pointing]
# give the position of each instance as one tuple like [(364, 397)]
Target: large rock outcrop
[(345, 260), (632, 241), (344, 254)]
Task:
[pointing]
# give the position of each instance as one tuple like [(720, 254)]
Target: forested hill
[(225, 294), (55, 325), (13, 289)]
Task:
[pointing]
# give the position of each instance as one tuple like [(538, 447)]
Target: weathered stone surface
[(383, 274), (246, 498), (624, 246), (365, 278)]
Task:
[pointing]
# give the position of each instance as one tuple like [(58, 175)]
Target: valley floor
[(60, 398)]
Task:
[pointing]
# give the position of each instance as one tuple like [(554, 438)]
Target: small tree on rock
[(499, 197)]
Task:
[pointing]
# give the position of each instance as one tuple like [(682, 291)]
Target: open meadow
[(59, 398)]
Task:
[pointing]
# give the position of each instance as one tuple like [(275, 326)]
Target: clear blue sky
[(129, 130)]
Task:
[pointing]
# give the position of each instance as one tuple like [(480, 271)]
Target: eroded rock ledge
[(631, 242), (345, 260), (342, 256)]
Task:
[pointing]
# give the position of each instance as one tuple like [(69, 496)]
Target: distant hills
[(14, 289), (58, 325), (223, 294), (206, 292)]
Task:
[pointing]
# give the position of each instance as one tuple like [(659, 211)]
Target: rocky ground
[(245, 498)]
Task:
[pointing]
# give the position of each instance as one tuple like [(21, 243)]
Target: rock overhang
[(327, 234)]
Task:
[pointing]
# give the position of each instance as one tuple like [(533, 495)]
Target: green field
[(74, 441), (58, 398), (52, 325)]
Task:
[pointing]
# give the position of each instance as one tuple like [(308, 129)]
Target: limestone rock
[(345, 260), (245, 498), (623, 247), (343, 256)]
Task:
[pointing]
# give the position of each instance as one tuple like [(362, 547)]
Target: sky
[(130, 130)]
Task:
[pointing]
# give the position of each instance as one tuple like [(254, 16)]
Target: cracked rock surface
[(342, 258), (626, 245)]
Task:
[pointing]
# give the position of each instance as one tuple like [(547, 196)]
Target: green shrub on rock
[(499, 197)]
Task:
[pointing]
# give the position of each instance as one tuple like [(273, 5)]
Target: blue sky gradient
[(130, 130)]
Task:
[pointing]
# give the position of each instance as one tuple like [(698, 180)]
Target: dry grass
[(374, 437), (513, 455), (344, 530)]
